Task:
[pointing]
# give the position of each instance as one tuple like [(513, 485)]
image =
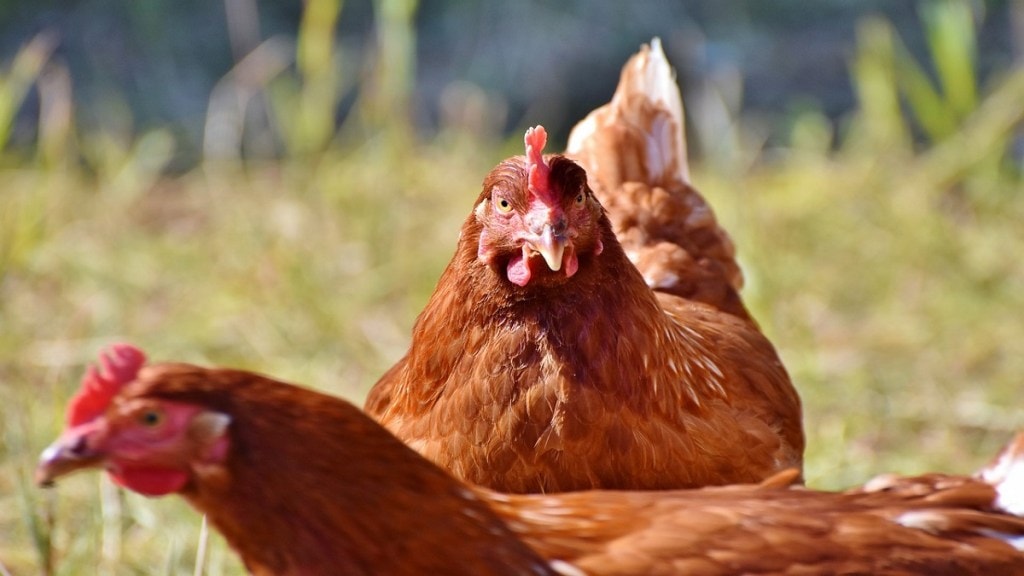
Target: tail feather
[(648, 104), (661, 86), (634, 151), (1006, 473)]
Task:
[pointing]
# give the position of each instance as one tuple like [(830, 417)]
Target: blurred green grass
[(882, 259)]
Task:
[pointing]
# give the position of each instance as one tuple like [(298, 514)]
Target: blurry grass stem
[(224, 132), (204, 541), (28, 64)]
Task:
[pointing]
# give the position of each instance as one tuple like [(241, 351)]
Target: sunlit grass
[(887, 273)]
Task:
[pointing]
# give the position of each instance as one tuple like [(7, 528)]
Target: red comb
[(118, 365), (535, 140)]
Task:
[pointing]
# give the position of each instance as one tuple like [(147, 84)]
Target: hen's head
[(150, 445), (537, 216)]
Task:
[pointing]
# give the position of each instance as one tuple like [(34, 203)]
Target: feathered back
[(937, 524), (634, 152)]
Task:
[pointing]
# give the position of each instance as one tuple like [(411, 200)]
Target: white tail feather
[(650, 76), (661, 86), (1006, 473)]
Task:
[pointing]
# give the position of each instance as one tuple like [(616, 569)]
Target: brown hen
[(545, 362), (303, 483)]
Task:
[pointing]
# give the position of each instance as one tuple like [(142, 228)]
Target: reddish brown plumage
[(312, 486), (586, 377)]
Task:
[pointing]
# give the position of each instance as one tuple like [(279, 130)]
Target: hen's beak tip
[(64, 456), (552, 248)]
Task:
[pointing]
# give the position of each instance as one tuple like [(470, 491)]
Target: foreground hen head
[(148, 445), (538, 216)]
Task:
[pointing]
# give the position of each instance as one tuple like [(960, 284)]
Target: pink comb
[(535, 140), (118, 365)]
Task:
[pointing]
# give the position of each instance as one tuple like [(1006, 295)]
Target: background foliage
[(278, 188)]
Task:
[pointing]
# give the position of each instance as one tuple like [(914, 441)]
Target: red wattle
[(572, 264), (150, 481)]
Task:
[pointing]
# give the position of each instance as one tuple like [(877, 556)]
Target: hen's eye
[(504, 205), (580, 198), (151, 418)]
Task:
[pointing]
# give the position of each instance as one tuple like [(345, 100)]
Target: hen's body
[(563, 390), (304, 483), (591, 379)]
